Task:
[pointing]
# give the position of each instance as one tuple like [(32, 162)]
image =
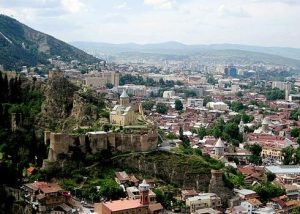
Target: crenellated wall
[(93, 142)]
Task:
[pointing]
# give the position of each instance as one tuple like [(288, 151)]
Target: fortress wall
[(111, 137), (47, 137), (60, 142), (82, 143), (98, 141)]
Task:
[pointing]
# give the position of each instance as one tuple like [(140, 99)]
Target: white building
[(204, 200), (278, 84), (168, 94), (194, 102), (221, 106), (251, 205), (135, 90)]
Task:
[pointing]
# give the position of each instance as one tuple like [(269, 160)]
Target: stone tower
[(124, 99), (219, 148), (217, 186), (144, 192)]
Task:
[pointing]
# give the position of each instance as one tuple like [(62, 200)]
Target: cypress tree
[(5, 88), (1, 88), (1, 116)]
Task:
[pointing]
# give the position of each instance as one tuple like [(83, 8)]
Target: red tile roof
[(124, 204)]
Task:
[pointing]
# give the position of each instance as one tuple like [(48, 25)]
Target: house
[(207, 211), (245, 194), (125, 179), (134, 193), (237, 210), (187, 193), (45, 196), (132, 206), (251, 205), (203, 200)]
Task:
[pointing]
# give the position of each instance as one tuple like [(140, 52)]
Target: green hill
[(21, 45)]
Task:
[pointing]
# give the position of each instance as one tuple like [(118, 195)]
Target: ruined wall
[(93, 142)]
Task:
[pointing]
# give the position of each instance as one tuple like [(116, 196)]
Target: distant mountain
[(293, 53), (276, 55), (21, 45)]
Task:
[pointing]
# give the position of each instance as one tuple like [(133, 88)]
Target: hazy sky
[(258, 22)]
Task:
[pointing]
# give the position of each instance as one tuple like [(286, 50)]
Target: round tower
[(144, 192), (124, 99), (219, 148)]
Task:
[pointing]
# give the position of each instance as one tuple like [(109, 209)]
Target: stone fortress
[(130, 137)]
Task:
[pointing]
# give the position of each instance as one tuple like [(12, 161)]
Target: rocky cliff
[(67, 107), (182, 171)]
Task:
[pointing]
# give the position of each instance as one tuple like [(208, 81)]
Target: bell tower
[(124, 99), (144, 192)]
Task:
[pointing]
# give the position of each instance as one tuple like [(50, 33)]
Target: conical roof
[(124, 94), (219, 143)]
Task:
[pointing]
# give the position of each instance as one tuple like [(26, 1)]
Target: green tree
[(239, 94), (111, 190), (185, 140), (211, 80), (255, 150), (206, 100), (297, 155), (162, 108), (267, 190), (237, 106), (178, 105), (201, 132), (295, 132), (171, 136), (109, 85), (295, 114), (148, 105), (270, 176), (275, 94), (287, 154)]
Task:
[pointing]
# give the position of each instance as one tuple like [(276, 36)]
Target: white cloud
[(232, 11), (73, 6), (271, 22), (8, 12), (160, 4), (121, 6)]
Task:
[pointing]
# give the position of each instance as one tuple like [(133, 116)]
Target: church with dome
[(123, 114)]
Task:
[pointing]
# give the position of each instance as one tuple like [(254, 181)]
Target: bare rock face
[(66, 107), (59, 100), (83, 111), (182, 171)]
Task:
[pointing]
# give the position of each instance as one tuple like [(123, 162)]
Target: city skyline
[(250, 22)]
